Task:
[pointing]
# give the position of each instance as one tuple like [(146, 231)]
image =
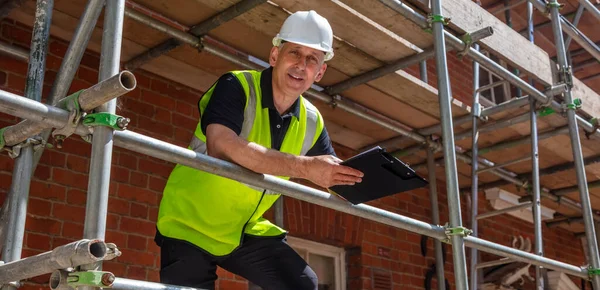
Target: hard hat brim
[(328, 53)]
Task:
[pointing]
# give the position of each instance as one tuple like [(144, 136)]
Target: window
[(499, 93), (327, 261)]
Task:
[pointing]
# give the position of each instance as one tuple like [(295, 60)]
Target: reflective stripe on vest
[(249, 114)]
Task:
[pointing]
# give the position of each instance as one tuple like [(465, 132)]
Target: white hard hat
[(309, 29)]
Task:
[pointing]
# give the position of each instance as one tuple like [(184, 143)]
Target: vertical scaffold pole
[(443, 82), (566, 76), (474, 174), (102, 142), (433, 197), (18, 194), (435, 217)]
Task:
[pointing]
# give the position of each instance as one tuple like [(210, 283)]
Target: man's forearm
[(256, 157)]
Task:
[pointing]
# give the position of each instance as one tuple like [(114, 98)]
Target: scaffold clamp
[(552, 4), (594, 121), (456, 231), (106, 119), (71, 103), (575, 105), (566, 75), (468, 40), (433, 18), (546, 111), (90, 278), (593, 272)]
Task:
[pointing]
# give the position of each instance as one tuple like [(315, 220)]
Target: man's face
[(296, 67)]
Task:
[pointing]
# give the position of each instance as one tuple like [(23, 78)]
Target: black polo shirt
[(226, 107)]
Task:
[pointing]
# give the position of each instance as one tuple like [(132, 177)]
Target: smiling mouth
[(295, 77)]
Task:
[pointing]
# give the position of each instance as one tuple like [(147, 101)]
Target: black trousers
[(268, 262)]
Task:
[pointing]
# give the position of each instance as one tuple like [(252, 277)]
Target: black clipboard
[(384, 175)]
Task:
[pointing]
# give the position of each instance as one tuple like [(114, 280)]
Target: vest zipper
[(255, 209)]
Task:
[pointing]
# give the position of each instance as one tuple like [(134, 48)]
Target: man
[(259, 121)]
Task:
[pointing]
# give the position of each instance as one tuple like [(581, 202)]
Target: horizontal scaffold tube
[(20, 107), (70, 255), (87, 99)]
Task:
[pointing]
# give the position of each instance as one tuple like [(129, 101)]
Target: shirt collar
[(266, 86)]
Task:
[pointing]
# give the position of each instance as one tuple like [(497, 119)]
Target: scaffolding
[(79, 264)]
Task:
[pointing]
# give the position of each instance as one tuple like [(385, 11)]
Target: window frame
[(337, 253)]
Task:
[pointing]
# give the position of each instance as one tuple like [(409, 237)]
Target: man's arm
[(323, 170)]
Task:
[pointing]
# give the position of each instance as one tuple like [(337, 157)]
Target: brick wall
[(167, 111)]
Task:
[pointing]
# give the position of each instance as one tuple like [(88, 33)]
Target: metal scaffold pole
[(71, 61), (435, 218), (433, 197), (570, 107), (443, 82), (18, 194), (102, 140), (475, 112), (535, 192)]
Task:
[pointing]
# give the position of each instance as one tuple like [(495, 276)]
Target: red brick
[(152, 167), (153, 126), (114, 267), (47, 190), (136, 194), (70, 178), (57, 48), (91, 60), (43, 225), (17, 34), (162, 115), (42, 172), (137, 258), (159, 100), (138, 210), (37, 241), (185, 122), (137, 243), (76, 196), (136, 272), (128, 161), (142, 80), (16, 82), (78, 164), (118, 206), (160, 87), (88, 75), (13, 65), (185, 108), (68, 212), (39, 207), (153, 214), (118, 238), (72, 230), (54, 158), (139, 179), (141, 108), (60, 241), (157, 183), (119, 174), (153, 276), (137, 226), (112, 221), (77, 146), (3, 78)]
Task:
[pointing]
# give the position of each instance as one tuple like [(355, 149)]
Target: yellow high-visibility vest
[(214, 212)]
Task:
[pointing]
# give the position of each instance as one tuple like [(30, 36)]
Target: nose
[(301, 63)]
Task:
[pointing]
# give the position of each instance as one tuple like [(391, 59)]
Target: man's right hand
[(326, 171)]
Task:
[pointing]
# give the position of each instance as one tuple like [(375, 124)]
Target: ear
[(273, 55), (321, 72)]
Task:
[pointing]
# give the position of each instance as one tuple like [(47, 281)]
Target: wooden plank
[(355, 28), (390, 19)]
